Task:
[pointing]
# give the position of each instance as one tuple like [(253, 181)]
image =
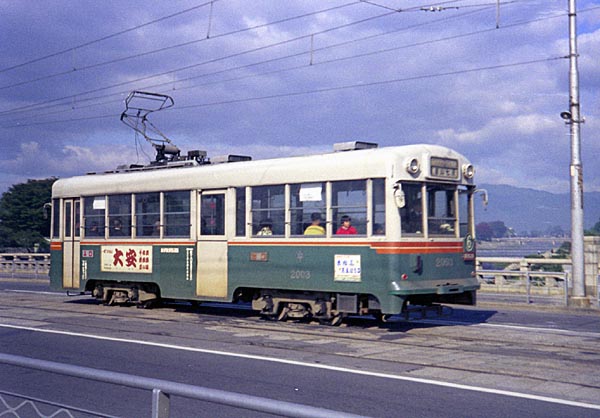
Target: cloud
[(36, 160), (533, 126), (416, 83)]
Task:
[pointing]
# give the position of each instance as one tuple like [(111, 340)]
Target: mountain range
[(528, 210)]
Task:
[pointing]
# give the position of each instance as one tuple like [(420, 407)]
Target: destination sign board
[(446, 168)]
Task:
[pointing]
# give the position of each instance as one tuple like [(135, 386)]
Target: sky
[(273, 78)]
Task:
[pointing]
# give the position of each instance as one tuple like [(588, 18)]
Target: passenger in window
[(346, 228), (378, 229), (94, 229), (117, 228), (266, 227), (315, 228), (446, 228), (156, 229), (414, 218)]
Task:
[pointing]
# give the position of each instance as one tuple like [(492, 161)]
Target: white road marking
[(317, 366), (515, 327), (37, 292)]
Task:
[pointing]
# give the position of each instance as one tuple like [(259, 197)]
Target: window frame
[(149, 229), (222, 226), (277, 214), (115, 215), (167, 215), (101, 219)]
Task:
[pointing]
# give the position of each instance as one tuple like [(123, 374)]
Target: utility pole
[(573, 118)]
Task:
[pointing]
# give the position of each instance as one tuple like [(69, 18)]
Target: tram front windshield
[(435, 210)]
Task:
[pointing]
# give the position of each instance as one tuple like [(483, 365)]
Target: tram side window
[(68, 217), (177, 214), (240, 211), (441, 210), (463, 211), (308, 203), (378, 207), (268, 206), (93, 216), (76, 218), (349, 198), (119, 215), (147, 214), (412, 213), (212, 210), (55, 218)]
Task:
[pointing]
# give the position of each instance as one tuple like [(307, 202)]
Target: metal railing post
[(161, 404), (566, 285), (528, 286), (162, 389)]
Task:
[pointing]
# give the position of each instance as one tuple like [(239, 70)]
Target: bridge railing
[(25, 265), (517, 277), (162, 390), (524, 276)]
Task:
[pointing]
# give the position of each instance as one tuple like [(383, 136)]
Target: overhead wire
[(79, 94), (246, 66), (317, 91), (142, 54), (192, 66), (374, 83), (180, 45), (106, 37), (173, 46), (345, 87)]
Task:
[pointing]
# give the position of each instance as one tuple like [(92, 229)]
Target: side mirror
[(484, 195), (47, 209), (399, 196)]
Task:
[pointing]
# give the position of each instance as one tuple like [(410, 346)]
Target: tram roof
[(387, 162)]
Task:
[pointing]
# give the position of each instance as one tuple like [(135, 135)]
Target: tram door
[(212, 246), (71, 232)]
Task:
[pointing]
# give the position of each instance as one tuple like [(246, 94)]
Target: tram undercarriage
[(118, 293), (280, 305), (327, 308)]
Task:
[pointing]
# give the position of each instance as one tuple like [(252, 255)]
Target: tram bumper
[(427, 292)]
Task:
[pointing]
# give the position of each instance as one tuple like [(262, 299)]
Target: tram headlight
[(413, 166), (468, 170)]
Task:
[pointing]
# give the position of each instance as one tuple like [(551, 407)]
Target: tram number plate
[(300, 274), (443, 262)]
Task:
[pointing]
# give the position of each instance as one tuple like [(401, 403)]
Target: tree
[(595, 229), (485, 231), (555, 231), (498, 229), (22, 220)]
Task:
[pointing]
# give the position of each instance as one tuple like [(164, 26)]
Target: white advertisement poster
[(126, 258), (347, 268)]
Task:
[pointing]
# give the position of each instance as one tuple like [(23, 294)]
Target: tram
[(235, 229)]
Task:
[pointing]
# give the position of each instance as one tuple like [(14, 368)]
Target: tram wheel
[(334, 321), (149, 304), (283, 314), (382, 318)]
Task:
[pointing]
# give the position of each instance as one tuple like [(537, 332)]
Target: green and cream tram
[(237, 231)]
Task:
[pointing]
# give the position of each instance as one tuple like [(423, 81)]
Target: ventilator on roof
[(353, 146)]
